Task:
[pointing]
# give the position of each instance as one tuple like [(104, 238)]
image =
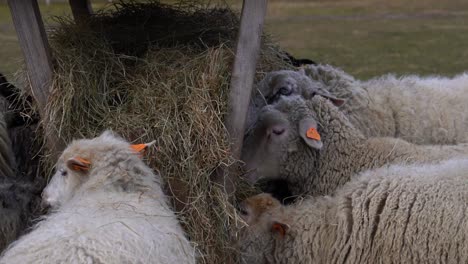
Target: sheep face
[(256, 242), (289, 83), (63, 184), (76, 164), (279, 132), (254, 207)]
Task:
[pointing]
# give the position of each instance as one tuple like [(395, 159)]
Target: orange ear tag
[(85, 167), (312, 133), (279, 228), (138, 147)]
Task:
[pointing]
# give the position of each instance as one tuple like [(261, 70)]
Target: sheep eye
[(243, 212), (63, 172), (285, 91), (278, 131), (272, 99), (313, 94)]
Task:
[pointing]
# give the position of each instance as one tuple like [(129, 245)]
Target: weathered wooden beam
[(81, 9), (37, 56), (33, 42), (243, 73)]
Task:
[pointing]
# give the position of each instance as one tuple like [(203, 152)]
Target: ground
[(364, 37)]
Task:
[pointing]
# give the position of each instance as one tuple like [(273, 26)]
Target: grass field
[(364, 37), (10, 52)]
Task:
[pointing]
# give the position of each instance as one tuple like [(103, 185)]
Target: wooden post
[(33, 42), (81, 9), (242, 78)]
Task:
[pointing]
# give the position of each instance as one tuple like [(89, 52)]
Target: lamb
[(108, 207), (429, 110), (398, 214), (312, 145)]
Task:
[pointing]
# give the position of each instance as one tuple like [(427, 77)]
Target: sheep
[(7, 161), (430, 110), (107, 207), (17, 206), (284, 83), (17, 197), (397, 214), (287, 57), (20, 124), (20, 180), (12, 104), (312, 145)]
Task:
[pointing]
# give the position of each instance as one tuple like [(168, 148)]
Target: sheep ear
[(335, 100), (281, 229), (78, 164), (308, 132), (141, 148)]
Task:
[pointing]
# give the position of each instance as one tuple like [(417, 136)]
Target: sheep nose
[(44, 203)]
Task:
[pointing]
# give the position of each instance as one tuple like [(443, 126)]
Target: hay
[(151, 71)]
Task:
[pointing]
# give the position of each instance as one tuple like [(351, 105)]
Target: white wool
[(278, 148), (395, 214), (114, 213), (421, 110)]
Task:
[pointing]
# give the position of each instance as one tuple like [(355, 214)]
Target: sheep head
[(284, 83), (77, 162), (254, 207), (266, 223), (278, 132)]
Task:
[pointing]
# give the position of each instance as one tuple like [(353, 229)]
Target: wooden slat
[(81, 9), (243, 73), (33, 41)]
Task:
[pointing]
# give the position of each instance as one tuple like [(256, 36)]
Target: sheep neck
[(345, 152), (316, 220)]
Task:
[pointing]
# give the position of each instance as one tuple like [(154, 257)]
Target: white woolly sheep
[(421, 110), (399, 214), (108, 208), (312, 145)]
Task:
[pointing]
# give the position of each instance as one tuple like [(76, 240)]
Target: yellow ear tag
[(312, 133)]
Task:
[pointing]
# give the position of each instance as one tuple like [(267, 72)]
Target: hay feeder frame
[(37, 55)]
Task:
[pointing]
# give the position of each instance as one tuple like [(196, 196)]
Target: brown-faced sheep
[(400, 214)]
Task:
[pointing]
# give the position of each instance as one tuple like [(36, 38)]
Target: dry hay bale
[(165, 79)]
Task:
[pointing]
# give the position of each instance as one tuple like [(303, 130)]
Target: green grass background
[(364, 37)]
